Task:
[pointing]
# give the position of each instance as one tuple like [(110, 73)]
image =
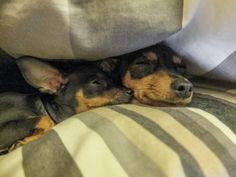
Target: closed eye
[(96, 82)]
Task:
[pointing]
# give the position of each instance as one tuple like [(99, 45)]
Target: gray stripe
[(225, 70), (48, 157), (130, 157), (185, 118), (190, 165), (213, 131), (223, 110), (207, 83)]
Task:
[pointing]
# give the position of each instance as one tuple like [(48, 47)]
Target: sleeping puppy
[(155, 74), (26, 117)]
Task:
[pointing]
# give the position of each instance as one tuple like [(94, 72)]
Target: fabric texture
[(130, 140), (77, 29), (85, 29), (207, 39)]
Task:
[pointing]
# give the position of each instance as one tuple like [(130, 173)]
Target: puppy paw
[(44, 124)]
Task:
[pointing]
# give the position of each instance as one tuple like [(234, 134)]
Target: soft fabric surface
[(130, 140), (88, 29), (208, 39), (94, 29)]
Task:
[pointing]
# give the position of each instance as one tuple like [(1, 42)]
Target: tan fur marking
[(85, 104), (177, 60), (153, 88), (152, 56), (44, 124)]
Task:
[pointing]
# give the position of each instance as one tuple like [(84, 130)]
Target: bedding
[(131, 140), (87, 29), (202, 31), (207, 39)]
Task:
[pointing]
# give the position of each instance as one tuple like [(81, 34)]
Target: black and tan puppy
[(155, 74), (26, 117)]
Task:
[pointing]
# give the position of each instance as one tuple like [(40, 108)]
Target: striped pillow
[(141, 141)]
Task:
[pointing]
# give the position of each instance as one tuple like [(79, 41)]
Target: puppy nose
[(129, 92), (182, 88)]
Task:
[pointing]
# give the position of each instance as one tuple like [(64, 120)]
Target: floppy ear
[(150, 55), (41, 75), (108, 65)]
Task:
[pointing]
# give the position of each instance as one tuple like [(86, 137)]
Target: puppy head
[(92, 88), (85, 88), (156, 75)]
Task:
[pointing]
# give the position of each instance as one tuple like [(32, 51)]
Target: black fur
[(19, 113)]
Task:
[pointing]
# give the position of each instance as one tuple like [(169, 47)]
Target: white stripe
[(201, 153), (11, 164), (212, 119), (88, 149), (160, 153)]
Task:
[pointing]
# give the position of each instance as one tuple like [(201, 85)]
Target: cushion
[(130, 140)]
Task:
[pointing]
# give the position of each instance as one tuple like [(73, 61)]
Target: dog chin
[(170, 103), (121, 100)]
